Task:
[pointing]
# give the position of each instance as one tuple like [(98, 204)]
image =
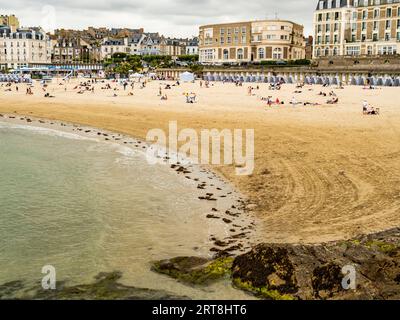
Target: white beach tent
[(187, 77)]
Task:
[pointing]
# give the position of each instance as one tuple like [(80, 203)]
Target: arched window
[(226, 54), (318, 52), (335, 51), (240, 55), (277, 54), (326, 52), (261, 53)]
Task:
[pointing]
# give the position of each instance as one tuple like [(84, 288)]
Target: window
[(364, 15), (327, 39), (240, 54), (277, 54), (336, 27), (226, 54), (335, 51), (387, 50), (388, 12), (261, 53), (353, 51), (328, 28), (335, 38)]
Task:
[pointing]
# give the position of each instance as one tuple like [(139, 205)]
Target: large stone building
[(24, 47), (252, 41), (10, 21), (356, 28)]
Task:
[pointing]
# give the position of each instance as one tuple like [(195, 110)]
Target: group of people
[(190, 97)]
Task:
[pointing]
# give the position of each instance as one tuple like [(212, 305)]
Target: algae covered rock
[(284, 271), (194, 270), (266, 271), (105, 287)]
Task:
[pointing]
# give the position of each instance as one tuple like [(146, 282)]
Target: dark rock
[(194, 270), (283, 271), (211, 216)]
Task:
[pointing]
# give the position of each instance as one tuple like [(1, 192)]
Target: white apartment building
[(23, 48)]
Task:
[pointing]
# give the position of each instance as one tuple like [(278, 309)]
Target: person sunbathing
[(333, 101), (373, 111), (311, 103)]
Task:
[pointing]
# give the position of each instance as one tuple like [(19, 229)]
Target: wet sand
[(322, 173)]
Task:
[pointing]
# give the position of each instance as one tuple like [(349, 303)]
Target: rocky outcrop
[(281, 271), (194, 270), (300, 272)]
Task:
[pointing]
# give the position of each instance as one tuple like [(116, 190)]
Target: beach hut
[(388, 82)]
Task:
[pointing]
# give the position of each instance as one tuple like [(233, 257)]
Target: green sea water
[(85, 207)]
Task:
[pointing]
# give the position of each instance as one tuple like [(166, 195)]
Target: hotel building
[(23, 47), (252, 41), (356, 28)]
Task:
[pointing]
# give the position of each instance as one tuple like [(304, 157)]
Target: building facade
[(252, 41), (23, 48), (74, 50), (192, 46), (356, 28), (9, 21)]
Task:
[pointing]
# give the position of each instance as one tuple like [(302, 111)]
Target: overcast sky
[(179, 18)]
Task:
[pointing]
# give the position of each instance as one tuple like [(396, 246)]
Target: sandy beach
[(322, 173)]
